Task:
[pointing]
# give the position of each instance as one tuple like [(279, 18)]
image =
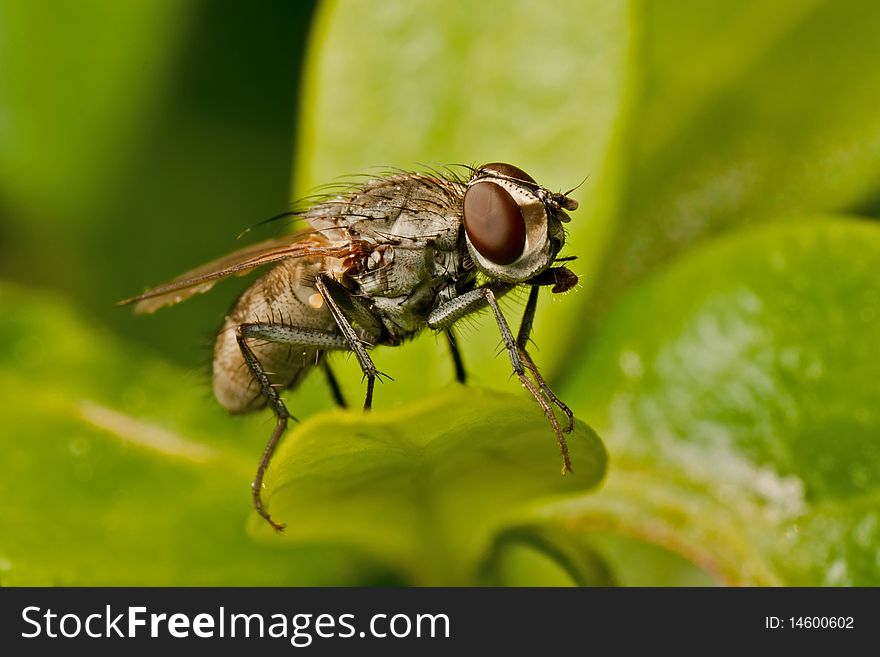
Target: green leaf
[(118, 469), (406, 82), (544, 555), (136, 141), (424, 487), (739, 112), (737, 395), (76, 90)]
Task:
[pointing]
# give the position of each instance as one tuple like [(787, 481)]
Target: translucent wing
[(201, 279)]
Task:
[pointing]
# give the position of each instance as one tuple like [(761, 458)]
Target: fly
[(380, 263)]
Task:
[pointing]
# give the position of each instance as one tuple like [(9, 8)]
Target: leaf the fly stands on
[(426, 486)]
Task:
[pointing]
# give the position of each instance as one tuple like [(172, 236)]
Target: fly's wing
[(201, 279)]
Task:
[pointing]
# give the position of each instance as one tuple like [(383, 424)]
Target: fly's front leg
[(338, 297), (469, 302), (522, 341), (304, 338)]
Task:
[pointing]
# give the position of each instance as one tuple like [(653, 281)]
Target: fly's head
[(513, 226)]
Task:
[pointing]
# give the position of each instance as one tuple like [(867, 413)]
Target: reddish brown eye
[(510, 171), (494, 223)]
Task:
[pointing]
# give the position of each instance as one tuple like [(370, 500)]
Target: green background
[(720, 351)]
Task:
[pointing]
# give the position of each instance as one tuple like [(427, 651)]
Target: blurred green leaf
[(738, 112), (136, 141), (407, 82), (119, 470), (424, 487), (633, 562), (70, 107), (544, 555), (737, 394)]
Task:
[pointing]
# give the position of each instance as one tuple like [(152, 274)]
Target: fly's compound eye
[(510, 171), (494, 223)]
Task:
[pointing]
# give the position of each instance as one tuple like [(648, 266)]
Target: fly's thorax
[(394, 271), (401, 208), (406, 315), (403, 282), (513, 226)]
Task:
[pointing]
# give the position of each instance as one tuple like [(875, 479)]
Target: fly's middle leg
[(342, 303), (333, 384), (307, 338), (457, 362)]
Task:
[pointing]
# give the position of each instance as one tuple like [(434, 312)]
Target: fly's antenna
[(576, 186)]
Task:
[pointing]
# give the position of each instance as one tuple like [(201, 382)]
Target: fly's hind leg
[(342, 305), (304, 338)]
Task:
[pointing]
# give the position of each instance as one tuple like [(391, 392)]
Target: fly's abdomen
[(285, 296)]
